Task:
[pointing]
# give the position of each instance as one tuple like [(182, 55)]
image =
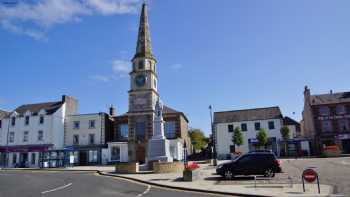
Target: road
[(332, 171), (76, 184)]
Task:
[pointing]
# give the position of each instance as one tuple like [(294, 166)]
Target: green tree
[(262, 138), (285, 133), (198, 139), (237, 137)]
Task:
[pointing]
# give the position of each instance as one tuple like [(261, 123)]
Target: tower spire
[(144, 47)]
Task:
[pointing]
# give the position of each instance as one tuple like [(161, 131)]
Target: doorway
[(346, 145), (140, 154), (83, 158), (23, 160)]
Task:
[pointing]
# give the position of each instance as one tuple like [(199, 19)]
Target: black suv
[(254, 163)]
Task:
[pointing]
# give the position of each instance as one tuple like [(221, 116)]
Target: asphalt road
[(77, 184), (332, 171)]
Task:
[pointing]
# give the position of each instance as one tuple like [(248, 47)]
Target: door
[(82, 158), (346, 145), (23, 160), (140, 154), (243, 165)]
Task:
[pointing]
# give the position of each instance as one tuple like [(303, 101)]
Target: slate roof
[(331, 98), (3, 114), (49, 107), (248, 115)]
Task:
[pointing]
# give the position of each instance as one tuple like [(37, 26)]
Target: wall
[(224, 138), (167, 167), (84, 129)]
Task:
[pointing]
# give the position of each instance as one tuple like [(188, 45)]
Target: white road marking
[(145, 192), (56, 189)]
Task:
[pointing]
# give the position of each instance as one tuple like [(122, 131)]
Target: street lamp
[(214, 159)]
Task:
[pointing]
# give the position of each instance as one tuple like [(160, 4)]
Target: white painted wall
[(84, 129), (176, 149), (123, 152), (224, 138)]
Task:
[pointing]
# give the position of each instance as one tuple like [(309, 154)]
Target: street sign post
[(309, 175)]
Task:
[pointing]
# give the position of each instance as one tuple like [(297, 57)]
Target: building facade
[(33, 135), (86, 136), (326, 120), (250, 121)]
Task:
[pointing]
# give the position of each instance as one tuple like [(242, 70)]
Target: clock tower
[(143, 93)]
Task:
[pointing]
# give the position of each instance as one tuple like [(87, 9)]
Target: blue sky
[(231, 54)]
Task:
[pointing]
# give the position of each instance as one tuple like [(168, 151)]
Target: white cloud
[(121, 67), (34, 18), (176, 66), (100, 78)]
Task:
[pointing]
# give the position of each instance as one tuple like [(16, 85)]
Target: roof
[(3, 114), (289, 121), (49, 107), (331, 98), (248, 115)]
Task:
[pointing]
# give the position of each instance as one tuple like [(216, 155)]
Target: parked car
[(254, 163)]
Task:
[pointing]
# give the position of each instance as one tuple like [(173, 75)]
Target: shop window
[(14, 158), (93, 156), (115, 153), (33, 158)]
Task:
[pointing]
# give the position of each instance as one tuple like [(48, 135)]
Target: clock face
[(140, 80)]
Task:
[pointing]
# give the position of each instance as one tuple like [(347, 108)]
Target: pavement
[(334, 177)]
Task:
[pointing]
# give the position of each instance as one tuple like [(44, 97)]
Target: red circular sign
[(309, 175)]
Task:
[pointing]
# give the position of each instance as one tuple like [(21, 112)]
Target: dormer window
[(41, 119), (26, 121)]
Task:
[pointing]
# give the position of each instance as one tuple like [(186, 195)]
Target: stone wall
[(167, 167), (131, 167)]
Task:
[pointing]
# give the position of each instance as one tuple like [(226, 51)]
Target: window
[(0, 124), (92, 156), (92, 124), (115, 153), (244, 127), (25, 136), (141, 65), (340, 110), (271, 125), (41, 119), (324, 111), (232, 148), (245, 159), (140, 130), (75, 139), (257, 126), (33, 158), (26, 121), (91, 138), (343, 125), (40, 135), (230, 128), (124, 131), (170, 129), (326, 126), (12, 137), (14, 158), (13, 121), (76, 124)]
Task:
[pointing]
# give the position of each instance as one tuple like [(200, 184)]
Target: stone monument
[(158, 145)]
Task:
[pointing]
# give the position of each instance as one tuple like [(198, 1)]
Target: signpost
[(309, 175)]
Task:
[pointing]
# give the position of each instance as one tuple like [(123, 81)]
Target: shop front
[(270, 145), (84, 155)]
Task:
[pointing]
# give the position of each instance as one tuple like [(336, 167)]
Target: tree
[(198, 139), (285, 132), (237, 137), (262, 137)]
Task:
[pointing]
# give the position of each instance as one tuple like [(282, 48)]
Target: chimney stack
[(112, 111), (331, 91)]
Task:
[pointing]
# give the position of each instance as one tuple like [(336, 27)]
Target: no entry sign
[(309, 175)]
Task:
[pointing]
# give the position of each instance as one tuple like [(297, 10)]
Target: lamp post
[(213, 137)]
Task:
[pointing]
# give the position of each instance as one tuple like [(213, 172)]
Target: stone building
[(326, 120), (136, 126)]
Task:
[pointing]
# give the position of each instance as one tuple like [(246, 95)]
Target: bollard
[(255, 181)]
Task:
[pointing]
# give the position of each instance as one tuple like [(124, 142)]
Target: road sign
[(309, 175)]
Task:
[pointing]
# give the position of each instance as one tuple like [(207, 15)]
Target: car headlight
[(219, 166)]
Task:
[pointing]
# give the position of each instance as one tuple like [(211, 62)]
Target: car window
[(245, 159)]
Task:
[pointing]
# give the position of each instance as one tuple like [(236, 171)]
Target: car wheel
[(228, 175), (269, 173)]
